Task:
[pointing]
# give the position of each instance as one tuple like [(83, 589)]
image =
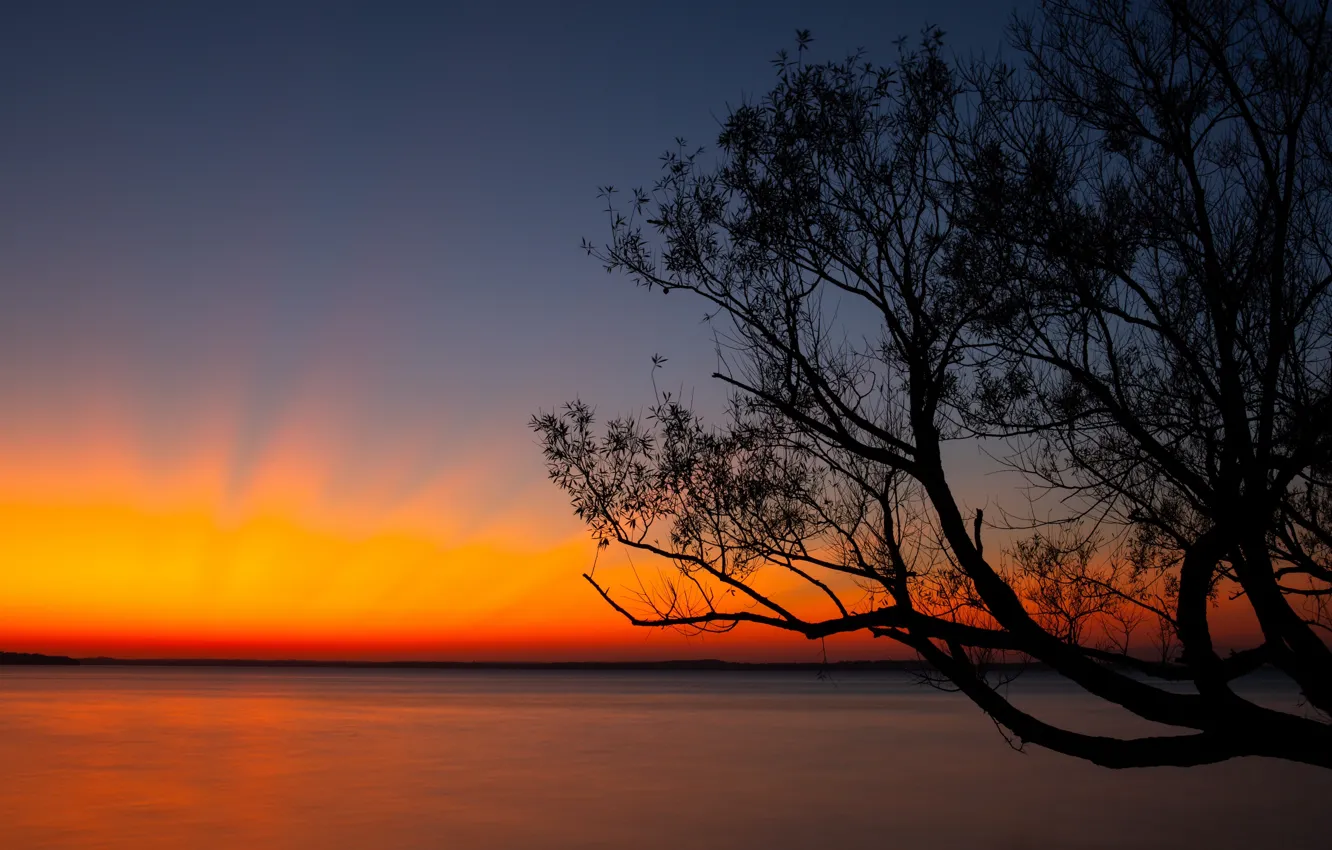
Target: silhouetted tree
[(1113, 261)]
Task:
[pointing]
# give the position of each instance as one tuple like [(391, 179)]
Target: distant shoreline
[(684, 665), (34, 658), (25, 658)]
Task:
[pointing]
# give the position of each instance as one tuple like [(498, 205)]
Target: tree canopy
[(1110, 264)]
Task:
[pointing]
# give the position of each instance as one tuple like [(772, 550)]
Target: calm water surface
[(203, 758)]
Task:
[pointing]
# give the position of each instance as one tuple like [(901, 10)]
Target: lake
[(255, 758)]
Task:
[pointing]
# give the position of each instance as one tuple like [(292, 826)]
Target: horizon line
[(22, 658)]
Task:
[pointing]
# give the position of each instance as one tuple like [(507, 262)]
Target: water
[(257, 758)]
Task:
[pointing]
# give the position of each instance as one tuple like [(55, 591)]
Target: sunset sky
[(281, 284)]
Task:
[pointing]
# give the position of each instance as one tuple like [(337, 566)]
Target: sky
[(282, 283)]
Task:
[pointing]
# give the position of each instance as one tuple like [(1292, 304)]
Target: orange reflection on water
[(150, 759)]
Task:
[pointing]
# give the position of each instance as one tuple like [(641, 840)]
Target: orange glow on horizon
[(277, 546), (100, 555)]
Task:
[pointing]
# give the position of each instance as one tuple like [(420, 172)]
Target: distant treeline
[(34, 658), (705, 664), (702, 664)]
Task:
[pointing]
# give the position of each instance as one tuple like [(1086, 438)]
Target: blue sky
[(328, 253)]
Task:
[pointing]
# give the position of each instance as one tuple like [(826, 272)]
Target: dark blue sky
[(236, 228), (281, 284)]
